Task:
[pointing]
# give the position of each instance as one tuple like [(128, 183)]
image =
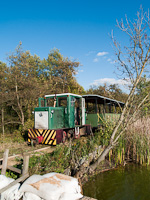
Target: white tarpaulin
[(11, 193), (30, 196), (52, 186)]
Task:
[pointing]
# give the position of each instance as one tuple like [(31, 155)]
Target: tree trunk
[(101, 157), (3, 129), (19, 106)]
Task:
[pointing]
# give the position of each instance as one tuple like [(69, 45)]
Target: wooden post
[(25, 164), (4, 165)]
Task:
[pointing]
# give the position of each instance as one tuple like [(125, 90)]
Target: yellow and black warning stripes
[(48, 135)]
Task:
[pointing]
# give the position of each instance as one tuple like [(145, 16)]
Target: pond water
[(131, 182)]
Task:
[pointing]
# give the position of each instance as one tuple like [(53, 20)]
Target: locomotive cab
[(59, 113)]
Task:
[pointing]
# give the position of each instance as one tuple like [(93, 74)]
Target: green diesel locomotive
[(70, 115)]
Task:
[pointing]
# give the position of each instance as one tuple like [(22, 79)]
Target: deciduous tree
[(23, 84), (133, 63), (3, 93)]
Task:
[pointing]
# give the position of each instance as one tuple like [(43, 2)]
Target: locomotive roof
[(63, 94), (101, 99), (90, 98)]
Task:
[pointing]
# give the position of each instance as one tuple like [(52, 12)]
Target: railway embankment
[(74, 157), (48, 186)]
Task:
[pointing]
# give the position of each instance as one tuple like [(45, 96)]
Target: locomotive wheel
[(70, 134)]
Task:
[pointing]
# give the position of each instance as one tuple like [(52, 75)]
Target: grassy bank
[(69, 158)]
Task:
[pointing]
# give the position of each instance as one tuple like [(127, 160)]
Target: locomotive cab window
[(50, 102), (62, 101), (77, 111)]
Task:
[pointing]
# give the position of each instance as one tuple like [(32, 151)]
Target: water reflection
[(131, 182)]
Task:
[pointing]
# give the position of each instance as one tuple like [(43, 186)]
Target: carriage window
[(90, 107), (113, 108), (100, 108), (107, 108)]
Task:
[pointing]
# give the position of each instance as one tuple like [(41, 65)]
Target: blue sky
[(79, 29)]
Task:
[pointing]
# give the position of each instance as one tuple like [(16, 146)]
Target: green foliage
[(17, 137), (26, 78), (11, 174), (27, 125), (132, 145), (106, 131), (143, 89), (63, 157), (112, 91), (56, 161)]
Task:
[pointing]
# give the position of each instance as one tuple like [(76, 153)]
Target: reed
[(133, 145), (139, 134)]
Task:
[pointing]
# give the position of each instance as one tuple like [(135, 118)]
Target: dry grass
[(138, 140), (16, 145), (142, 126), (139, 128)]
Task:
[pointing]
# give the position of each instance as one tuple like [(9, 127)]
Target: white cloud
[(110, 81), (103, 53), (89, 53), (95, 60), (111, 61)]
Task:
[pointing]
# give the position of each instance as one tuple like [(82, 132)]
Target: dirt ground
[(18, 146)]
